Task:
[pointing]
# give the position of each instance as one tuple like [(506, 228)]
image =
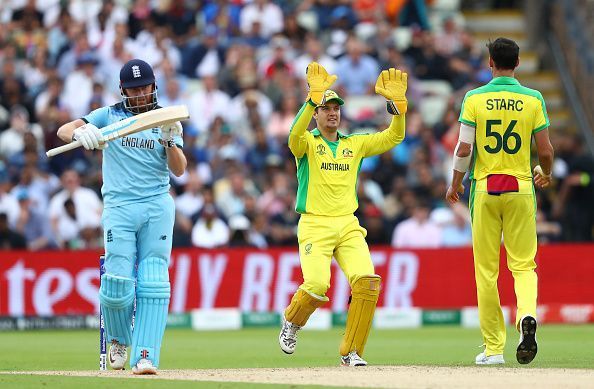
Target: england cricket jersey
[(327, 171), (505, 115), (134, 167)]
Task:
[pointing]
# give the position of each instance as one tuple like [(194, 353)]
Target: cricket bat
[(132, 125)]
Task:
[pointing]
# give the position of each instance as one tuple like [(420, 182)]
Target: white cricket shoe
[(483, 359), (527, 348), (144, 366), (117, 355), (287, 339), (352, 359)]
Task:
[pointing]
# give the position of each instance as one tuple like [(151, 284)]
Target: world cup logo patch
[(308, 249)]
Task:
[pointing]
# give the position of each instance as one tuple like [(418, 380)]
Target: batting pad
[(116, 295), (365, 293), (152, 304), (302, 305)]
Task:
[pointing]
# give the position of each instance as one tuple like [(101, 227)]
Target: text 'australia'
[(343, 167)]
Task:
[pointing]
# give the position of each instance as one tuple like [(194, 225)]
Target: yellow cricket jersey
[(327, 171), (505, 114)]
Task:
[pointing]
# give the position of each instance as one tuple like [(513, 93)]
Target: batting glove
[(169, 131), (392, 85), (318, 81), (90, 137)]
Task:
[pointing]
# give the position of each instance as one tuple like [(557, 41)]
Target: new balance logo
[(144, 354), (135, 71), (163, 237), (109, 236)]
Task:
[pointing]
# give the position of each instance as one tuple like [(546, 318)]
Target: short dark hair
[(504, 52)]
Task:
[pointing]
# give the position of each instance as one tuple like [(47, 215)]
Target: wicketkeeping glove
[(318, 81), (90, 137), (392, 84)]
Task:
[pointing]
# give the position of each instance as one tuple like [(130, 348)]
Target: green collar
[(504, 81), (316, 132)]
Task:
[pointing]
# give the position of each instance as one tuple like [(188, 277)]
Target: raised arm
[(318, 81), (391, 84)]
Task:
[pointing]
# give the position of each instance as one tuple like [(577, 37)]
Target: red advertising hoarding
[(56, 283)]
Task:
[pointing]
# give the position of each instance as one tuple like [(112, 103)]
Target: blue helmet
[(136, 73)]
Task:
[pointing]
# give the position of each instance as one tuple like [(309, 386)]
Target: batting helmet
[(136, 73)]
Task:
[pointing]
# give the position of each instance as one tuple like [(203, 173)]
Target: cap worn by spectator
[(87, 58), (239, 223), (22, 194)]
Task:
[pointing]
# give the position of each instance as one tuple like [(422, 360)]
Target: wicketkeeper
[(137, 219), (328, 162)]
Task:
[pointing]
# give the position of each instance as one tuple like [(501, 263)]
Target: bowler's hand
[(453, 196), (541, 180)]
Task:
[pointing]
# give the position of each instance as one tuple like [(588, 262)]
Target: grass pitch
[(565, 346)]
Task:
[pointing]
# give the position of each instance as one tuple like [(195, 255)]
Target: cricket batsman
[(328, 162), (137, 218), (497, 124)]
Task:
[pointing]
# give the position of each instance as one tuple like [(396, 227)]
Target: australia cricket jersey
[(505, 115), (134, 167), (327, 171)]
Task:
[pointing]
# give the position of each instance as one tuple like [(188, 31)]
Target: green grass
[(34, 382), (566, 346)]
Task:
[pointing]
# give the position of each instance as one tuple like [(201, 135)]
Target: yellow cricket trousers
[(321, 238), (514, 215)]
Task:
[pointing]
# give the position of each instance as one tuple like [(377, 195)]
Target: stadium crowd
[(239, 66)]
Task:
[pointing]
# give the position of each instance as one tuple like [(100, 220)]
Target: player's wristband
[(167, 143)]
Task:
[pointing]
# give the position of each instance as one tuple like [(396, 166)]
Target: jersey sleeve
[(298, 134), (468, 111), (541, 119), (381, 142), (98, 117)]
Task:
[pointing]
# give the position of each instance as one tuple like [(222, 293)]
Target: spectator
[(223, 13), (418, 231), (12, 140), (9, 239), (231, 193), (356, 70), (264, 13), (314, 51), (239, 231), (455, 225), (210, 231), (78, 86), (33, 225), (191, 200), (9, 205), (207, 104), (72, 210)]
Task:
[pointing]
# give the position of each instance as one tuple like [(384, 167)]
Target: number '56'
[(503, 141)]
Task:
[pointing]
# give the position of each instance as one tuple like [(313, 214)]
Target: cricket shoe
[(527, 348), (117, 355), (143, 367), (483, 359), (287, 339), (352, 359)]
